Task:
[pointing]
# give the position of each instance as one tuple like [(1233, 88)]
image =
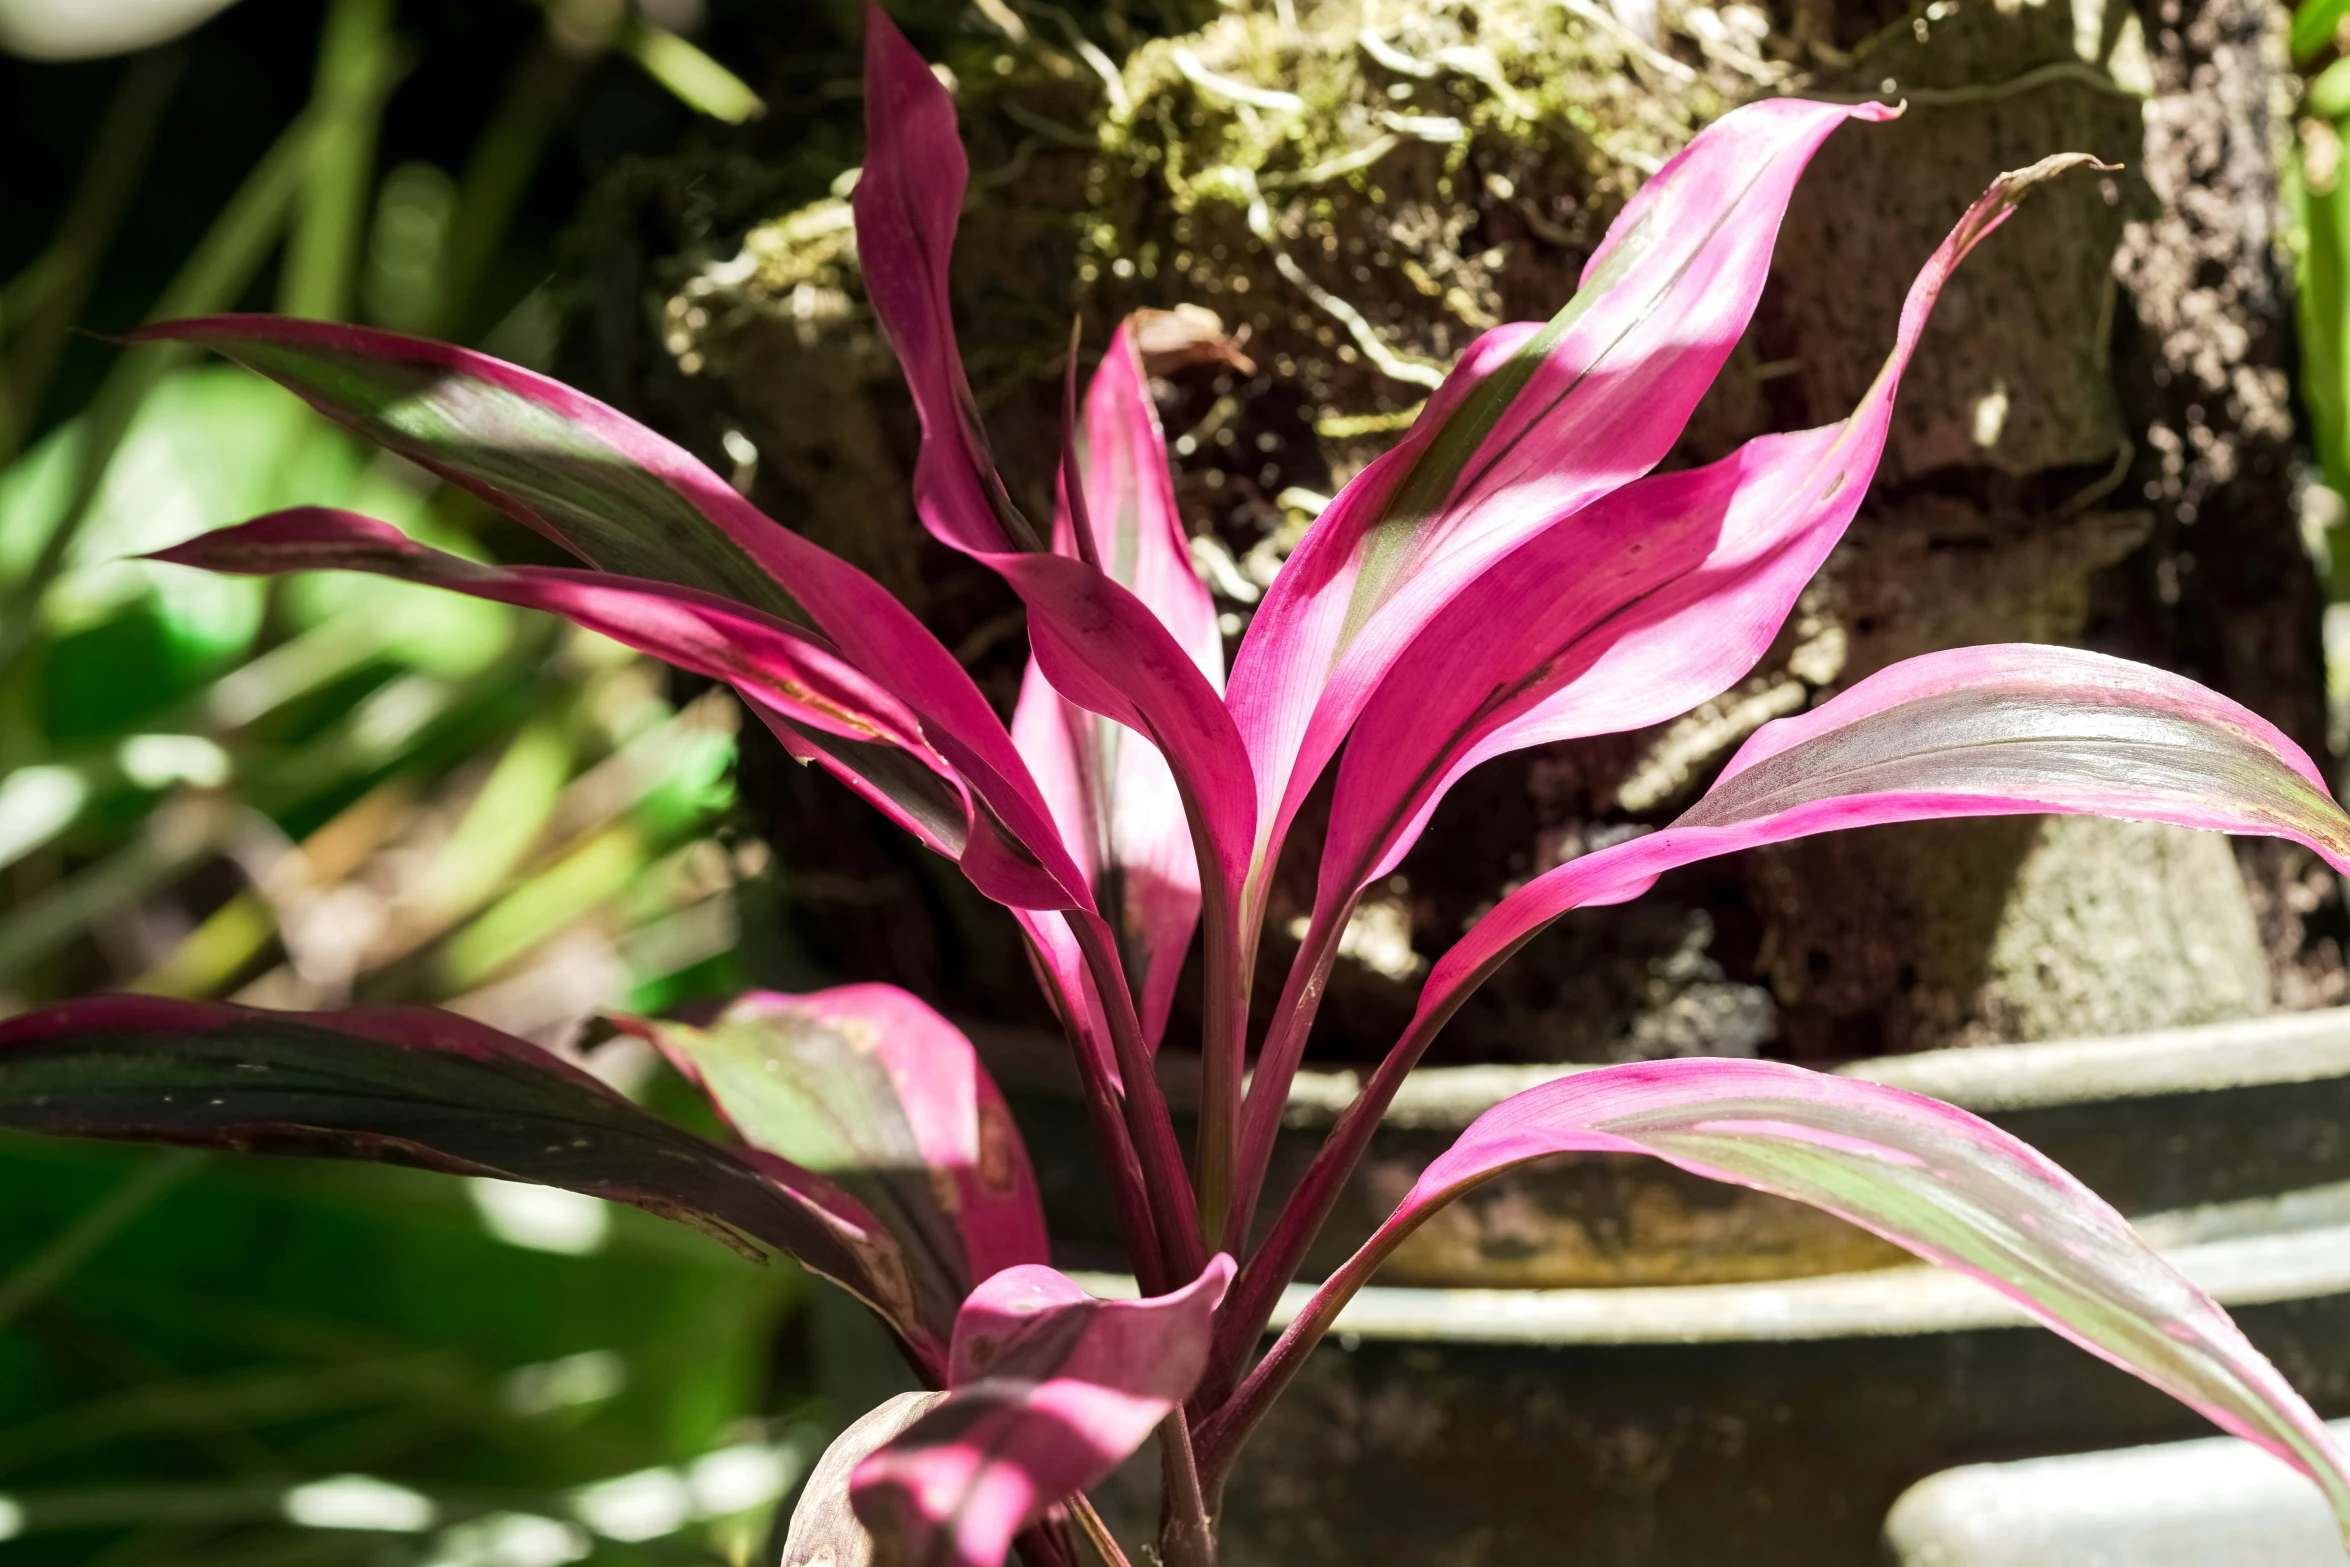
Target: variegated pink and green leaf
[(1983, 731), (404, 1085), (1048, 1390), (1945, 1184), (1989, 731), (631, 502), (879, 1094), (821, 707)]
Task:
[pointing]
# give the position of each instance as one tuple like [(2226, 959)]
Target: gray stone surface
[(2214, 1503)]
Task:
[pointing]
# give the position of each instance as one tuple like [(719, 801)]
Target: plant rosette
[(1511, 573)]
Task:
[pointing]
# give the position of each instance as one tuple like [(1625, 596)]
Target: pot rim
[(2251, 1253), (2286, 1047)]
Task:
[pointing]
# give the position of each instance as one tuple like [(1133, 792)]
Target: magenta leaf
[(1984, 731), (1101, 645), (821, 707), (796, 673), (405, 1085), (1633, 610), (1533, 424), (628, 501), (1630, 612), (1129, 495), (908, 202), (586, 476), (1049, 1389), (1095, 640), (873, 1090), (1948, 1186), (1119, 805)]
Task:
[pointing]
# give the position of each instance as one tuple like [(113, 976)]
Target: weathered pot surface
[(2155, 1123)]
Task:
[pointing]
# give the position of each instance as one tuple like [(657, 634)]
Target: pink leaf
[(908, 201), (1532, 425), (821, 706), (1987, 731), (1954, 1189), (875, 1091), (1632, 611), (1101, 645), (1049, 1390), (626, 500), (1130, 502), (1638, 607), (794, 672), (1114, 795)]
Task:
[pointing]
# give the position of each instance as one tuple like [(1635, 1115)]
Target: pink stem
[(1277, 1064), (1165, 1180), (1220, 1435), (1227, 958), (1104, 1109), (1241, 1321)]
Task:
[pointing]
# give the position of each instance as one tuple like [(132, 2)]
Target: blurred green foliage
[(320, 1322), (338, 789)]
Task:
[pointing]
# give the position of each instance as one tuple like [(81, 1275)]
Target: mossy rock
[(1356, 188)]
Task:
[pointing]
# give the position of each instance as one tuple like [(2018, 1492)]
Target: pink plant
[(1512, 573)]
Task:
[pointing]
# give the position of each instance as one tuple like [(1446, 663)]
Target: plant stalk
[(1187, 1536), (1107, 1112), (1226, 961), (1165, 1179), (1089, 1523), (1277, 1063), (1248, 1308)]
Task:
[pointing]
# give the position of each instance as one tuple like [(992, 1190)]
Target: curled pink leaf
[(908, 202), (1100, 644), (1049, 1389)]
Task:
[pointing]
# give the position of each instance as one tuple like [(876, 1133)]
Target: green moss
[(1360, 187)]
